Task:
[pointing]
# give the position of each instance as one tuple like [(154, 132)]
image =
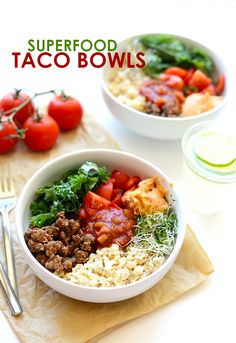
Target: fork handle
[(13, 302), (8, 250)]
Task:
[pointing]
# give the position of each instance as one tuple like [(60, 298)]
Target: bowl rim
[(34, 264), (173, 119)]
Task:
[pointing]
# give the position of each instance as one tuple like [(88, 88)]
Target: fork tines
[(7, 188)]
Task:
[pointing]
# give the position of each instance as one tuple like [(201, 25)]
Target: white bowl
[(155, 126), (112, 159)]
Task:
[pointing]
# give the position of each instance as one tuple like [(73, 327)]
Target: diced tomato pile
[(108, 193), (105, 206), (194, 80)]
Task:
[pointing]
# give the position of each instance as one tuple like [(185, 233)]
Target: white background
[(207, 313)]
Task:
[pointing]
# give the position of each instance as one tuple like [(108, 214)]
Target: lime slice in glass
[(215, 149)]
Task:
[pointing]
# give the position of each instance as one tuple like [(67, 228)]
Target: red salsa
[(111, 225), (164, 97)]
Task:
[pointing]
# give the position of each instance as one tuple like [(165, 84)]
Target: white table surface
[(206, 313)]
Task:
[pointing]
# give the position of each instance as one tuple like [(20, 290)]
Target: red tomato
[(7, 142), (41, 134), (116, 197), (175, 82), (188, 75), (199, 80), (210, 89), (220, 85), (163, 77), (67, 111), (120, 178), (176, 71), (133, 181), (12, 100), (94, 203), (105, 189), (82, 213)]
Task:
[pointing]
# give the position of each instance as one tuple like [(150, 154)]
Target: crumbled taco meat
[(149, 197), (60, 246), (161, 99)]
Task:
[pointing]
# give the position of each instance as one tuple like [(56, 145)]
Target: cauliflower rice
[(125, 84), (114, 267)]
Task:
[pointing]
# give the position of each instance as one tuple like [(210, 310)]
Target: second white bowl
[(155, 126)]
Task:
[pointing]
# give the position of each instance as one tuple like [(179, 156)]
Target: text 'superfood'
[(96, 228)]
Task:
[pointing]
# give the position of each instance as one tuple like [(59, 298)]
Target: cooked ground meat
[(68, 265), (81, 255), (54, 263), (53, 247), (172, 108), (35, 247), (60, 246), (161, 100), (85, 243), (41, 258)]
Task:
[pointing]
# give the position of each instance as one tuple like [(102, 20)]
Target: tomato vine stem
[(9, 114), (18, 108)]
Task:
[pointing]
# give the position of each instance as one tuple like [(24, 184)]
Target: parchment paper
[(51, 317), (23, 162)]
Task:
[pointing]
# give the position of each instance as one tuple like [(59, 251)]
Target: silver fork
[(7, 203)]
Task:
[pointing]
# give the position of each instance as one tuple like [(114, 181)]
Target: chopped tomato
[(94, 203), (175, 82), (120, 179), (189, 75), (105, 189), (163, 77), (82, 213), (199, 80), (220, 85), (176, 71), (117, 197), (133, 181), (210, 89)]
